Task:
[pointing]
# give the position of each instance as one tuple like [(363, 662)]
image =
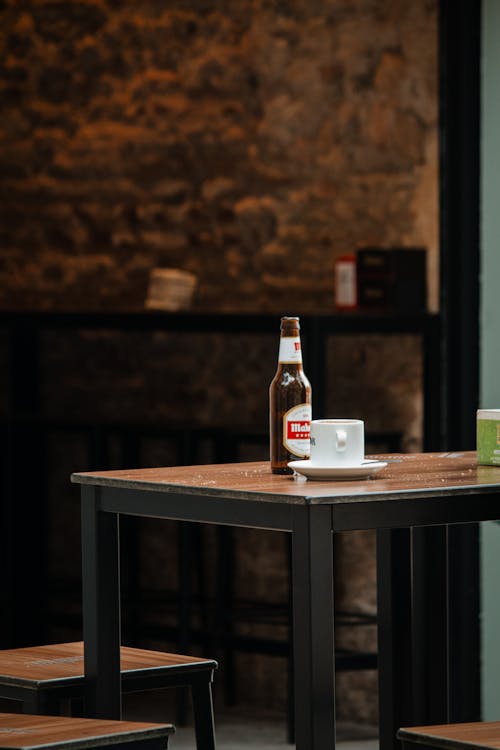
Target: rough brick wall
[(249, 141)]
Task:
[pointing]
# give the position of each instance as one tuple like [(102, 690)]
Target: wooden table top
[(63, 663), (406, 475), (455, 736), (30, 732)]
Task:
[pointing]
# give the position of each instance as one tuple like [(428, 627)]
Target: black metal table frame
[(415, 654)]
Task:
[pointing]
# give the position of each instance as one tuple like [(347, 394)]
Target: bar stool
[(42, 678), (478, 734), (25, 732)]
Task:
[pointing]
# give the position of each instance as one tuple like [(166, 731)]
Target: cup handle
[(341, 440)]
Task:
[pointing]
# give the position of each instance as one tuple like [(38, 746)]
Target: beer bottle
[(289, 402)]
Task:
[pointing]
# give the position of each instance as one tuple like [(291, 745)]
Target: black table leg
[(313, 628), (101, 606), (204, 725), (464, 623), (430, 599), (395, 667)]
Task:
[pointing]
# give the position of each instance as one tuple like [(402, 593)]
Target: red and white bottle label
[(290, 351), (297, 430)]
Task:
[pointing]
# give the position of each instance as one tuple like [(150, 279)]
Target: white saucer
[(316, 471)]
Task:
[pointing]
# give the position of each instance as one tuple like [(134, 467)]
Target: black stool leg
[(224, 610), (130, 540), (186, 450), (201, 691), (186, 546)]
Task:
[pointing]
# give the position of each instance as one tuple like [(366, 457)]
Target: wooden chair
[(42, 678), (480, 734), (25, 732)]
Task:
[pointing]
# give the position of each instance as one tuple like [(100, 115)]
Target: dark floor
[(239, 729)]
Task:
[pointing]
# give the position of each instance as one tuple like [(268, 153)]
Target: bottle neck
[(290, 352)]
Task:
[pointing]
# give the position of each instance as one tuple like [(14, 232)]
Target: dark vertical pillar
[(6, 547), (459, 130), (459, 122), (433, 397), (25, 504)]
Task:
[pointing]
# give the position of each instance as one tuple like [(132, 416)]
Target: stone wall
[(249, 142)]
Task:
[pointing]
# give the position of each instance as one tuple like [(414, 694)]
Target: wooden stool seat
[(24, 732), (42, 677), (478, 734)]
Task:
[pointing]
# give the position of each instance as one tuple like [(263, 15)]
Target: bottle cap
[(290, 320)]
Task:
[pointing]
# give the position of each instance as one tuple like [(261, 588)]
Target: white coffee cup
[(337, 442)]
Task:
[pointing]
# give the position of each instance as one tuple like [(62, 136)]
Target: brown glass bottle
[(289, 402)]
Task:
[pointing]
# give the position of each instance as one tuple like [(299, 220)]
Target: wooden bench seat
[(44, 677), (25, 732), (480, 734)]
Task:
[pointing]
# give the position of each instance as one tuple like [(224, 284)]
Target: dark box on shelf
[(392, 279)]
